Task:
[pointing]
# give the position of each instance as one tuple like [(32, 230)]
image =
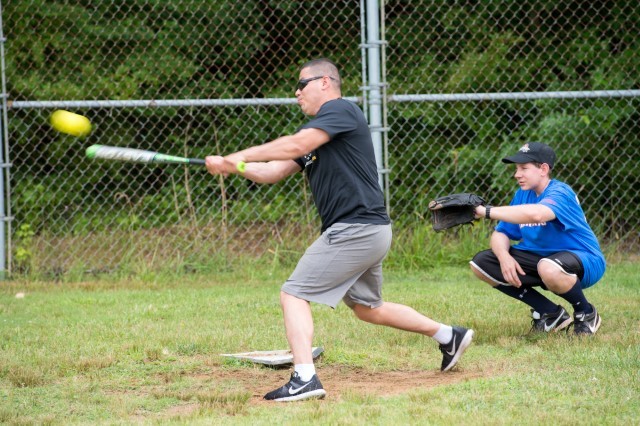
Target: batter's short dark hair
[(324, 65)]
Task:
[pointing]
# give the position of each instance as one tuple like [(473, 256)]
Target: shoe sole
[(315, 394), (464, 344), (563, 325), (598, 324)]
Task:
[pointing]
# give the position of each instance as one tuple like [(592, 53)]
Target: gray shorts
[(344, 263)]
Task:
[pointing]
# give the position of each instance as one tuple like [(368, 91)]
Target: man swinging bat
[(335, 150)]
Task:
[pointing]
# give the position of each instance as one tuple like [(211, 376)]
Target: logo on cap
[(525, 148)]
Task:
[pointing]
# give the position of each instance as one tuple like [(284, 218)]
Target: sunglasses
[(303, 83)]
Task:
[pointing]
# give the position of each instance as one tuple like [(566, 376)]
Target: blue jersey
[(569, 231)]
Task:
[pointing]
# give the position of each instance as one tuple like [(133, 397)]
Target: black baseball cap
[(533, 152)]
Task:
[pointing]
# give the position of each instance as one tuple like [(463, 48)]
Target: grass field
[(147, 351)]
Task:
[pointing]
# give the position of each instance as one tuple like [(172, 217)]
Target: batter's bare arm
[(283, 148), (270, 172)]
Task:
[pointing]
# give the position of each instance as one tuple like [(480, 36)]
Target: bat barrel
[(137, 155), (120, 154)]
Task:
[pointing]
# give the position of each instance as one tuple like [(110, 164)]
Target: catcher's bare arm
[(511, 269), (526, 213)]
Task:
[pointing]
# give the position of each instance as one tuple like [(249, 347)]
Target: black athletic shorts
[(487, 263)]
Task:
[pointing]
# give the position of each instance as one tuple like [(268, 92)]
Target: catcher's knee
[(482, 275), (476, 271), (486, 267)]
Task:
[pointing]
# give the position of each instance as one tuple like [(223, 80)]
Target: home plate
[(278, 357)]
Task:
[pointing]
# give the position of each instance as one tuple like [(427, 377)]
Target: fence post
[(375, 83), (4, 166)]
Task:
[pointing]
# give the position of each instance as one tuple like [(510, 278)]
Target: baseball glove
[(453, 210)]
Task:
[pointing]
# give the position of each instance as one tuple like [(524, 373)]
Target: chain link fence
[(466, 83)]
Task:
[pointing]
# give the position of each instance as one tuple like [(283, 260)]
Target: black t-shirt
[(343, 173)]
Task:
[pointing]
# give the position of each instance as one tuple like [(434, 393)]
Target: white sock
[(444, 334), (305, 371)]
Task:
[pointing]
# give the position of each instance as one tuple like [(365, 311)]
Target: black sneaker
[(586, 324), (452, 351), (297, 390), (554, 321)]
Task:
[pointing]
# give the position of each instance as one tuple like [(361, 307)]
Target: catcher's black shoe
[(586, 324), (296, 390), (554, 321), (452, 351)]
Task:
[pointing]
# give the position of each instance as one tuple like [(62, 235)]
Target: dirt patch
[(339, 381)]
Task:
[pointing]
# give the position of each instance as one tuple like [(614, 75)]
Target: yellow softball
[(70, 123)]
